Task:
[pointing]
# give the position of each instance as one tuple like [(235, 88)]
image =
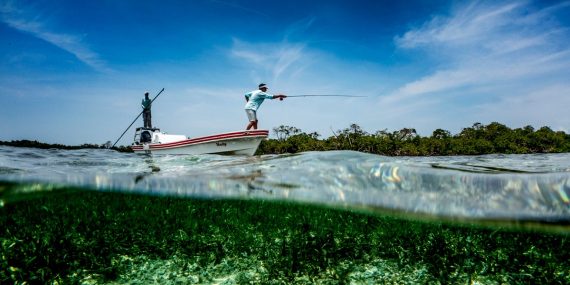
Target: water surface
[(98, 216)]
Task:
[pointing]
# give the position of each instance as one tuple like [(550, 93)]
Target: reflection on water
[(516, 187), (98, 216)]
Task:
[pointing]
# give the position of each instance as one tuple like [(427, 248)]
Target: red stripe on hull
[(225, 136)]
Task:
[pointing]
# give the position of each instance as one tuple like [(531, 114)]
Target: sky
[(74, 72)]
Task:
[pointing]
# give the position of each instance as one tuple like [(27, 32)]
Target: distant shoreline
[(37, 144), (479, 139)]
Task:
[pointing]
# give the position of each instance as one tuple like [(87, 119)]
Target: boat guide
[(152, 140)]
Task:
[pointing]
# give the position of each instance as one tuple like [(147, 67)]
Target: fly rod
[(136, 118), (327, 95)]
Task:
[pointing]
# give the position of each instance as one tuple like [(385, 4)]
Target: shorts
[(251, 115)]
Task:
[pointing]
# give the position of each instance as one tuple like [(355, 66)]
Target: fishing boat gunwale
[(237, 142)]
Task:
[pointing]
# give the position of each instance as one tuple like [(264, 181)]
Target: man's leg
[(251, 124), (252, 117)]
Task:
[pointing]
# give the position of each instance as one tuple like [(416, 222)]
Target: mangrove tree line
[(475, 140)]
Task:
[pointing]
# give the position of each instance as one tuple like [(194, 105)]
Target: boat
[(152, 140)]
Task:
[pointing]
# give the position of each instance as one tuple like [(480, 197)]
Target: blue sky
[(74, 72)]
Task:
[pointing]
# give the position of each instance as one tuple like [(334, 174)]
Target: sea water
[(339, 217)]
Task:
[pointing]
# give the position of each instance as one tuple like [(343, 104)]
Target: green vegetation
[(475, 140), (94, 237), (36, 144)]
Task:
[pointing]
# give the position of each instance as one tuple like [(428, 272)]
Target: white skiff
[(149, 140)]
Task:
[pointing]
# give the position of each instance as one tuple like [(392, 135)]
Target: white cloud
[(536, 107), (467, 25), (240, 7), (299, 27), (271, 59), (487, 44), (246, 52), (29, 21), (276, 59)]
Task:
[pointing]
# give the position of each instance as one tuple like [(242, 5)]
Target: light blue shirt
[(255, 98)]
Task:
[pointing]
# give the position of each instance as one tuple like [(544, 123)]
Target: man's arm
[(146, 103)]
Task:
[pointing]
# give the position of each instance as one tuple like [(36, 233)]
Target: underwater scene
[(339, 217)]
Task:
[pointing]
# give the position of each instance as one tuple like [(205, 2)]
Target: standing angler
[(146, 104), (254, 100)]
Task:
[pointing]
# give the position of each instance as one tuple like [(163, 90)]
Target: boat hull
[(239, 143)]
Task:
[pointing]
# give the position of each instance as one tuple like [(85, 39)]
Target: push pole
[(136, 119)]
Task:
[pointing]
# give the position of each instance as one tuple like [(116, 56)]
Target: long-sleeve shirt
[(146, 103), (255, 99)]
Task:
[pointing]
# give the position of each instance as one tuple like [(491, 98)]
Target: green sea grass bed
[(87, 237)]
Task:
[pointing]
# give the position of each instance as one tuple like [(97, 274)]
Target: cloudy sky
[(74, 72)]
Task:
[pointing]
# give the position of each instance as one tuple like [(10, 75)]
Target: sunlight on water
[(515, 187), (101, 217)]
